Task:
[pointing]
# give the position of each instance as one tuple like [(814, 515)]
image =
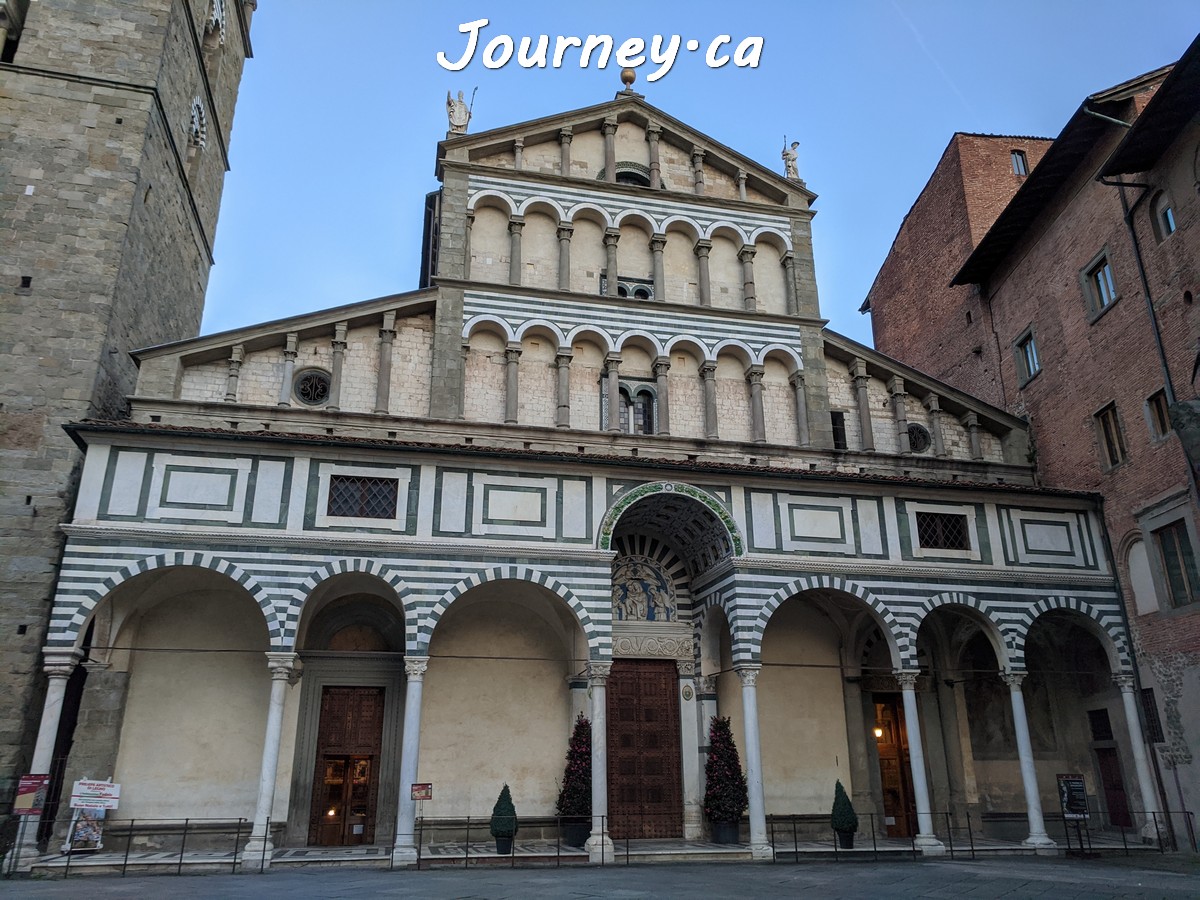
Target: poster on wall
[(31, 795), (1072, 797), (422, 791)]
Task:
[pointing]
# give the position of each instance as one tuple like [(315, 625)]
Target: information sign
[(1072, 797)]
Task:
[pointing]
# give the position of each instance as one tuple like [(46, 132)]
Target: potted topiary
[(843, 818), (504, 822), (725, 796), (574, 807)]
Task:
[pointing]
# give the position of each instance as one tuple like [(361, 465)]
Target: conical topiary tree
[(843, 818), (725, 796), (504, 816), (575, 795)]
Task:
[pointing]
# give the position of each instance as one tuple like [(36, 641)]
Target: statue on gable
[(790, 169), (458, 112)]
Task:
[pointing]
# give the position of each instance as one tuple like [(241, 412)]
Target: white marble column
[(282, 667), (926, 840), (405, 850), (599, 845), (689, 747), (1033, 800), (58, 664), (1141, 763), (759, 847)]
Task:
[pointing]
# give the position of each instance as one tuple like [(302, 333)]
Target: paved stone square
[(1008, 877)]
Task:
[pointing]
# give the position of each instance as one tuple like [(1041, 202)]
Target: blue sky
[(341, 109)]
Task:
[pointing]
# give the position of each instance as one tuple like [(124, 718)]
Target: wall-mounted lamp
[(878, 732)]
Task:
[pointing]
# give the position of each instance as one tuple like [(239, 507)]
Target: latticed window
[(312, 387), (943, 531), (361, 497)]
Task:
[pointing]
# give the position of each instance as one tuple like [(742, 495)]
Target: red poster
[(31, 795)]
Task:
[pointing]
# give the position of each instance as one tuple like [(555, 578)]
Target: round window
[(312, 386), (918, 438)]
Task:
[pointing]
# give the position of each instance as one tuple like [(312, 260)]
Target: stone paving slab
[(1008, 878)]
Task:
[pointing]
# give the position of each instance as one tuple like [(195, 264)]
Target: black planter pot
[(504, 845), (725, 832), (575, 832), (846, 840)]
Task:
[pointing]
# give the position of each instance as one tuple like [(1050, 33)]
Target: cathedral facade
[(605, 459)]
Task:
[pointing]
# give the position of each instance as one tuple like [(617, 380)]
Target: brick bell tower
[(115, 118)]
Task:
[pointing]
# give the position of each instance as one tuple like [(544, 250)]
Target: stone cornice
[(331, 541)]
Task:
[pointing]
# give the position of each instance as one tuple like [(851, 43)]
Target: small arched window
[(1163, 216)]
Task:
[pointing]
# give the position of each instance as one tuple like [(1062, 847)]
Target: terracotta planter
[(725, 832), (846, 840)]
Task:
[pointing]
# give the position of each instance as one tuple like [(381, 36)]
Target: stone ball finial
[(628, 77)]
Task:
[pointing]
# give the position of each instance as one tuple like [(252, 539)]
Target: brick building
[(1072, 305), (114, 127)]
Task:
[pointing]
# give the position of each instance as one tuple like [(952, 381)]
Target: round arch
[(494, 198), (76, 615), (389, 575), (792, 359), (898, 639), (771, 235), (1106, 628), (546, 205), (596, 645), (483, 321), (1002, 641), (609, 523)]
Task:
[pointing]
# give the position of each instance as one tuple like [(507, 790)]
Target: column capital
[(748, 673), (237, 354), (610, 127), (907, 679), (754, 374), (702, 247), (1013, 679), (611, 236), (512, 353), (697, 156), (415, 666), (969, 420), (706, 684), (1124, 680), (740, 176), (516, 223), (788, 259), (746, 252), (895, 386), (612, 361), (661, 365), (658, 242), (565, 231), (686, 667), (470, 217), (796, 379), (339, 333), (519, 142), (858, 369), (60, 663), (565, 134), (563, 356), (283, 666), (653, 130), (598, 672), (930, 402), (708, 369)]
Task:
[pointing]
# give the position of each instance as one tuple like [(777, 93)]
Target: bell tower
[(114, 134)]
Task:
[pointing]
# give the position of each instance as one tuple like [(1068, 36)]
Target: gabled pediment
[(633, 115)]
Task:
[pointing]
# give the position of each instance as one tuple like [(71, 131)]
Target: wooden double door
[(645, 784), (895, 774), (346, 778)]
